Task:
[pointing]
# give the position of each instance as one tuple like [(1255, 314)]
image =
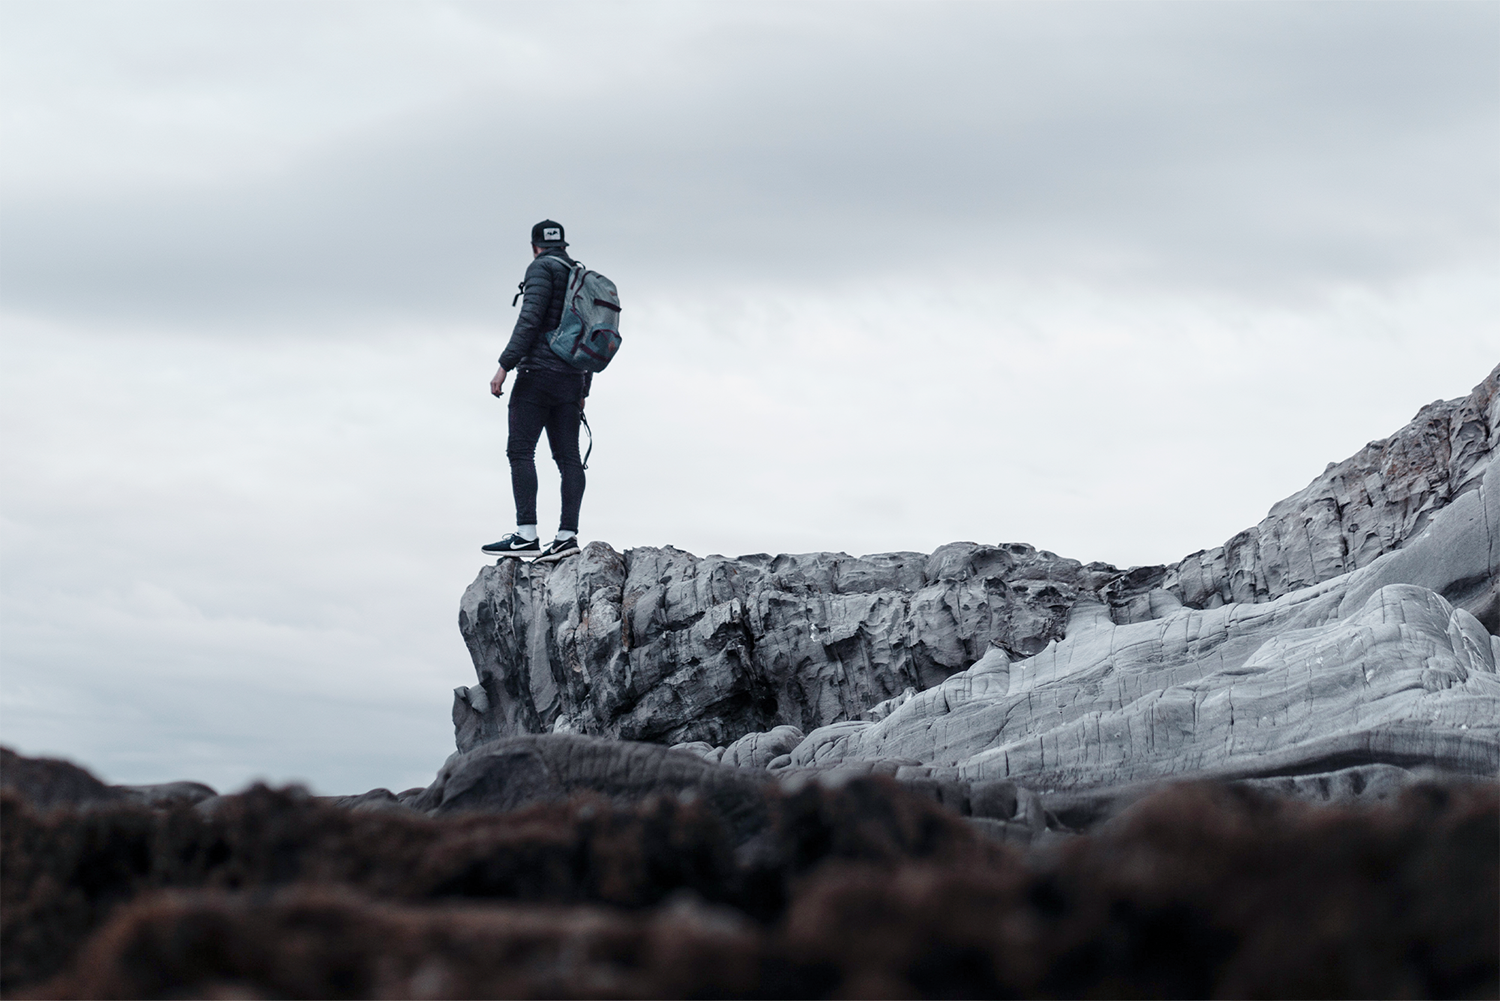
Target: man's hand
[(498, 381)]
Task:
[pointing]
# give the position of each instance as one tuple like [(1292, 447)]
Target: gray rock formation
[(659, 645), (521, 771), (768, 749), (517, 772), (1347, 634), (1371, 504), (1241, 690)]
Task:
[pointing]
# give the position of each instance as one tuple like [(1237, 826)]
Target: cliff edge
[(1352, 628)]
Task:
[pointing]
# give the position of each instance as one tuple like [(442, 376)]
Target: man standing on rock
[(549, 393)]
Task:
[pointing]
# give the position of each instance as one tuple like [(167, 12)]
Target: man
[(548, 393)]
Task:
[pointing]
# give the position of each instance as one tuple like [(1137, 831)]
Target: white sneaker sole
[(515, 554)]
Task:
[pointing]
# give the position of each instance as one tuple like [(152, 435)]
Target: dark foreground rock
[(69, 872), (51, 782), (847, 888)]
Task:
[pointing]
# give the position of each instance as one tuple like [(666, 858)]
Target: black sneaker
[(513, 545), (559, 549)]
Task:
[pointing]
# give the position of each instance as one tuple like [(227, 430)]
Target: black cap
[(548, 234)]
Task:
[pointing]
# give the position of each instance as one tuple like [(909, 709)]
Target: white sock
[(527, 532), (566, 535)]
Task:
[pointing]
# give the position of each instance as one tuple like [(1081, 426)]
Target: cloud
[(1269, 150)]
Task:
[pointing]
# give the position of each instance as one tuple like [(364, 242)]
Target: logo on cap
[(552, 233)]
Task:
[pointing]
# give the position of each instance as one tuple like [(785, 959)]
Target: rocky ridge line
[(1358, 510)]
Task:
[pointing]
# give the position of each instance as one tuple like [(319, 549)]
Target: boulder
[(46, 783), (758, 750), (518, 772)]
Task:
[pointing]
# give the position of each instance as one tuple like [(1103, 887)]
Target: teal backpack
[(589, 334)]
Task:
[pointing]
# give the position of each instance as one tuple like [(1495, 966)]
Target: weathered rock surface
[(659, 645), (1373, 503), (523, 771), (1232, 692), (1351, 629)]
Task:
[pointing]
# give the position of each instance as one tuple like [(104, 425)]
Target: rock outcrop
[(1373, 503), (1351, 629), (659, 645), (1232, 692)]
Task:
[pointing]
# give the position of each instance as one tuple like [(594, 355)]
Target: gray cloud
[(1263, 149)]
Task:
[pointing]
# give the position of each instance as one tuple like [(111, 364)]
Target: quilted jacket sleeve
[(540, 281)]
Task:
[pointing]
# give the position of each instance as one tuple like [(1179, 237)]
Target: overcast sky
[(1106, 278)]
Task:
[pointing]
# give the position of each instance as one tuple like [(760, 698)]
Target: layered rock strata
[(1358, 510), (659, 645), (1351, 628), (1407, 680)]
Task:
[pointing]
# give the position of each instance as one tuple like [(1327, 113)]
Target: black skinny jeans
[(550, 400)]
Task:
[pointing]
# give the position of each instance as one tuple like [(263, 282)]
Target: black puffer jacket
[(541, 312)]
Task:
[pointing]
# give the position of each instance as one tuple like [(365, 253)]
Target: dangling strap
[(585, 421), (522, 285)]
